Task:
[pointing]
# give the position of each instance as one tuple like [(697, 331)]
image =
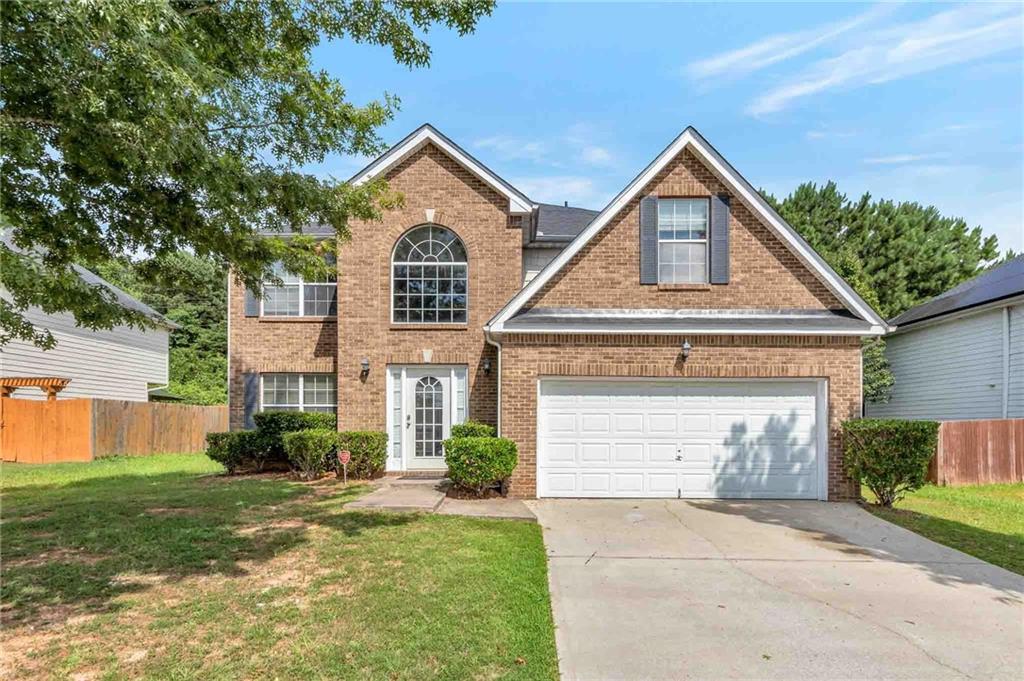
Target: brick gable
[(764, 271)]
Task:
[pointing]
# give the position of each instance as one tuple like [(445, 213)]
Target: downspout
[(1006, 361), (491, 341)]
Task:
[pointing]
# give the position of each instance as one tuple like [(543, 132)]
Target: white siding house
[(119, 364), (961, 355)]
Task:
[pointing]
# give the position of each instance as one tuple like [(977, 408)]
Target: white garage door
[(650, 438)]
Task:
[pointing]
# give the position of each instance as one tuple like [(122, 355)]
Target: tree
[(191, 292), (159, 126), (894, 255)]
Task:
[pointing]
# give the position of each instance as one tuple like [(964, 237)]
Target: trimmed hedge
[(473, 429), (310, 450), (236, 449), (889, 456), (369, 449), (272, 425), (477, 464)]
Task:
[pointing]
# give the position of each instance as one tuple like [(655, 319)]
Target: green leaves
[(890, 456), (179, 125)]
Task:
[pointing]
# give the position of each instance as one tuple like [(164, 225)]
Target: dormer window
[(429, 277), (682, 241)]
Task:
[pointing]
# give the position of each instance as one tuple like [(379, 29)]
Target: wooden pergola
[(51, 385)]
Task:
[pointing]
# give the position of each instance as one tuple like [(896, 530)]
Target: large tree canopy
[(909, 253), (895, 255), (155, 126)]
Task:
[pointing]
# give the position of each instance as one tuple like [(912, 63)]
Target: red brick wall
[(764, 273), (527, 358), (264, 345), (463, 203)]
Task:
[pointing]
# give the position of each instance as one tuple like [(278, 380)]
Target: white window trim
[(302, 396), (391, 280), (707, 250), (301, 283)]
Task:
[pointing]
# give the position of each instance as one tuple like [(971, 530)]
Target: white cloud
[(893, 52), (899, 159), (578, 191), (597, 156), (823, 133), (777, 48), (513, 149)]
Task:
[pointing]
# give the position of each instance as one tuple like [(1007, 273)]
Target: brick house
[(684, 341)]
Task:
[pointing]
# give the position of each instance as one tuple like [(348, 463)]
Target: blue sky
[(913, 102)]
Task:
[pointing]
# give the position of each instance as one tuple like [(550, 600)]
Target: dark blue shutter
[(649, 240), (251, 398), (252, 303), (719, 241)]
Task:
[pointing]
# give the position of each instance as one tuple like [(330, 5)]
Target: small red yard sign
[(344, 456)]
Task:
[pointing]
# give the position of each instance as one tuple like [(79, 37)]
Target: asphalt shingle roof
[(562, 223), (998, 283)]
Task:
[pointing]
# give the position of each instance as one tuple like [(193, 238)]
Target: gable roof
[(691, 139), (1001, 282), (428, 134)]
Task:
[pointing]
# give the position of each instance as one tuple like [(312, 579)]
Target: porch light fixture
[(487, 365), (686, 349), (365, 365)]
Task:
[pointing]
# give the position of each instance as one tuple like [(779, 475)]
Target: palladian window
[(429, 277)]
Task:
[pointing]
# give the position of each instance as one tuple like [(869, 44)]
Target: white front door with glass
[(423, 403)]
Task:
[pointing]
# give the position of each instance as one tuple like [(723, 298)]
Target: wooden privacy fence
[(979, 452), (85, 429)]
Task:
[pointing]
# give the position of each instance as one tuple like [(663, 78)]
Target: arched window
[(429, 277)]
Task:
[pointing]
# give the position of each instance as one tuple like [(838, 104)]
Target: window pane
[(434, 291), (321, 299), (318, 390), (281, 300), (280, 391)]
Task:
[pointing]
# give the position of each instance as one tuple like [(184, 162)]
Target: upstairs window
[(682, 241), (429, 278), (298, 298)]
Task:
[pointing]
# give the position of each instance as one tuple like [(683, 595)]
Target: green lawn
[(986, 521), (157, 568)]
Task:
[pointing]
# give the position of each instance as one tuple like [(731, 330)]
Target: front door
[(427, 417)]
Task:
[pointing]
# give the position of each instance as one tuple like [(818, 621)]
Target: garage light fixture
[(487, 366), (365, 366), (686, 349)]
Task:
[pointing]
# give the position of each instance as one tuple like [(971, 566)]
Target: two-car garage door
[(676, 438)]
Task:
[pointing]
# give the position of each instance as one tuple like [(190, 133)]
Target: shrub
[(220, 447), (477, 464), (889, 456), (272, 425), (310, 450), (369, 450), (236, 449), (473, 429)]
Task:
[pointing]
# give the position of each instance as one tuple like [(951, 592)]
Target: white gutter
[(490, 341)]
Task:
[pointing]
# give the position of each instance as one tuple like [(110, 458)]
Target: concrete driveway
[(770, 590)]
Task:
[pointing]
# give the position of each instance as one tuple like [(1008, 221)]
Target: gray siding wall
[(116, 364), (1016, 401), (950, 371), (536, 259)]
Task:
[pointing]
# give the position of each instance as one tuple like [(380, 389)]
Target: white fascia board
[(609, 329), (517, 202), (692, 139)]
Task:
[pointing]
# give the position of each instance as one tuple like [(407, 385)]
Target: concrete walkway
[(770, 590), (428, 496)]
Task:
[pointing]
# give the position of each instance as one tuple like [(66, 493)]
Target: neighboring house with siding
[(960, 355), (684, 341), (119, 364)]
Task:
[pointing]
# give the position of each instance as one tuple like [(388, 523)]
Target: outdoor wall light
[(365, 365), (487, 365), (686, 349)]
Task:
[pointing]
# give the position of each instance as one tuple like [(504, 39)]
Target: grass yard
[(986, 521), (157, 568)]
